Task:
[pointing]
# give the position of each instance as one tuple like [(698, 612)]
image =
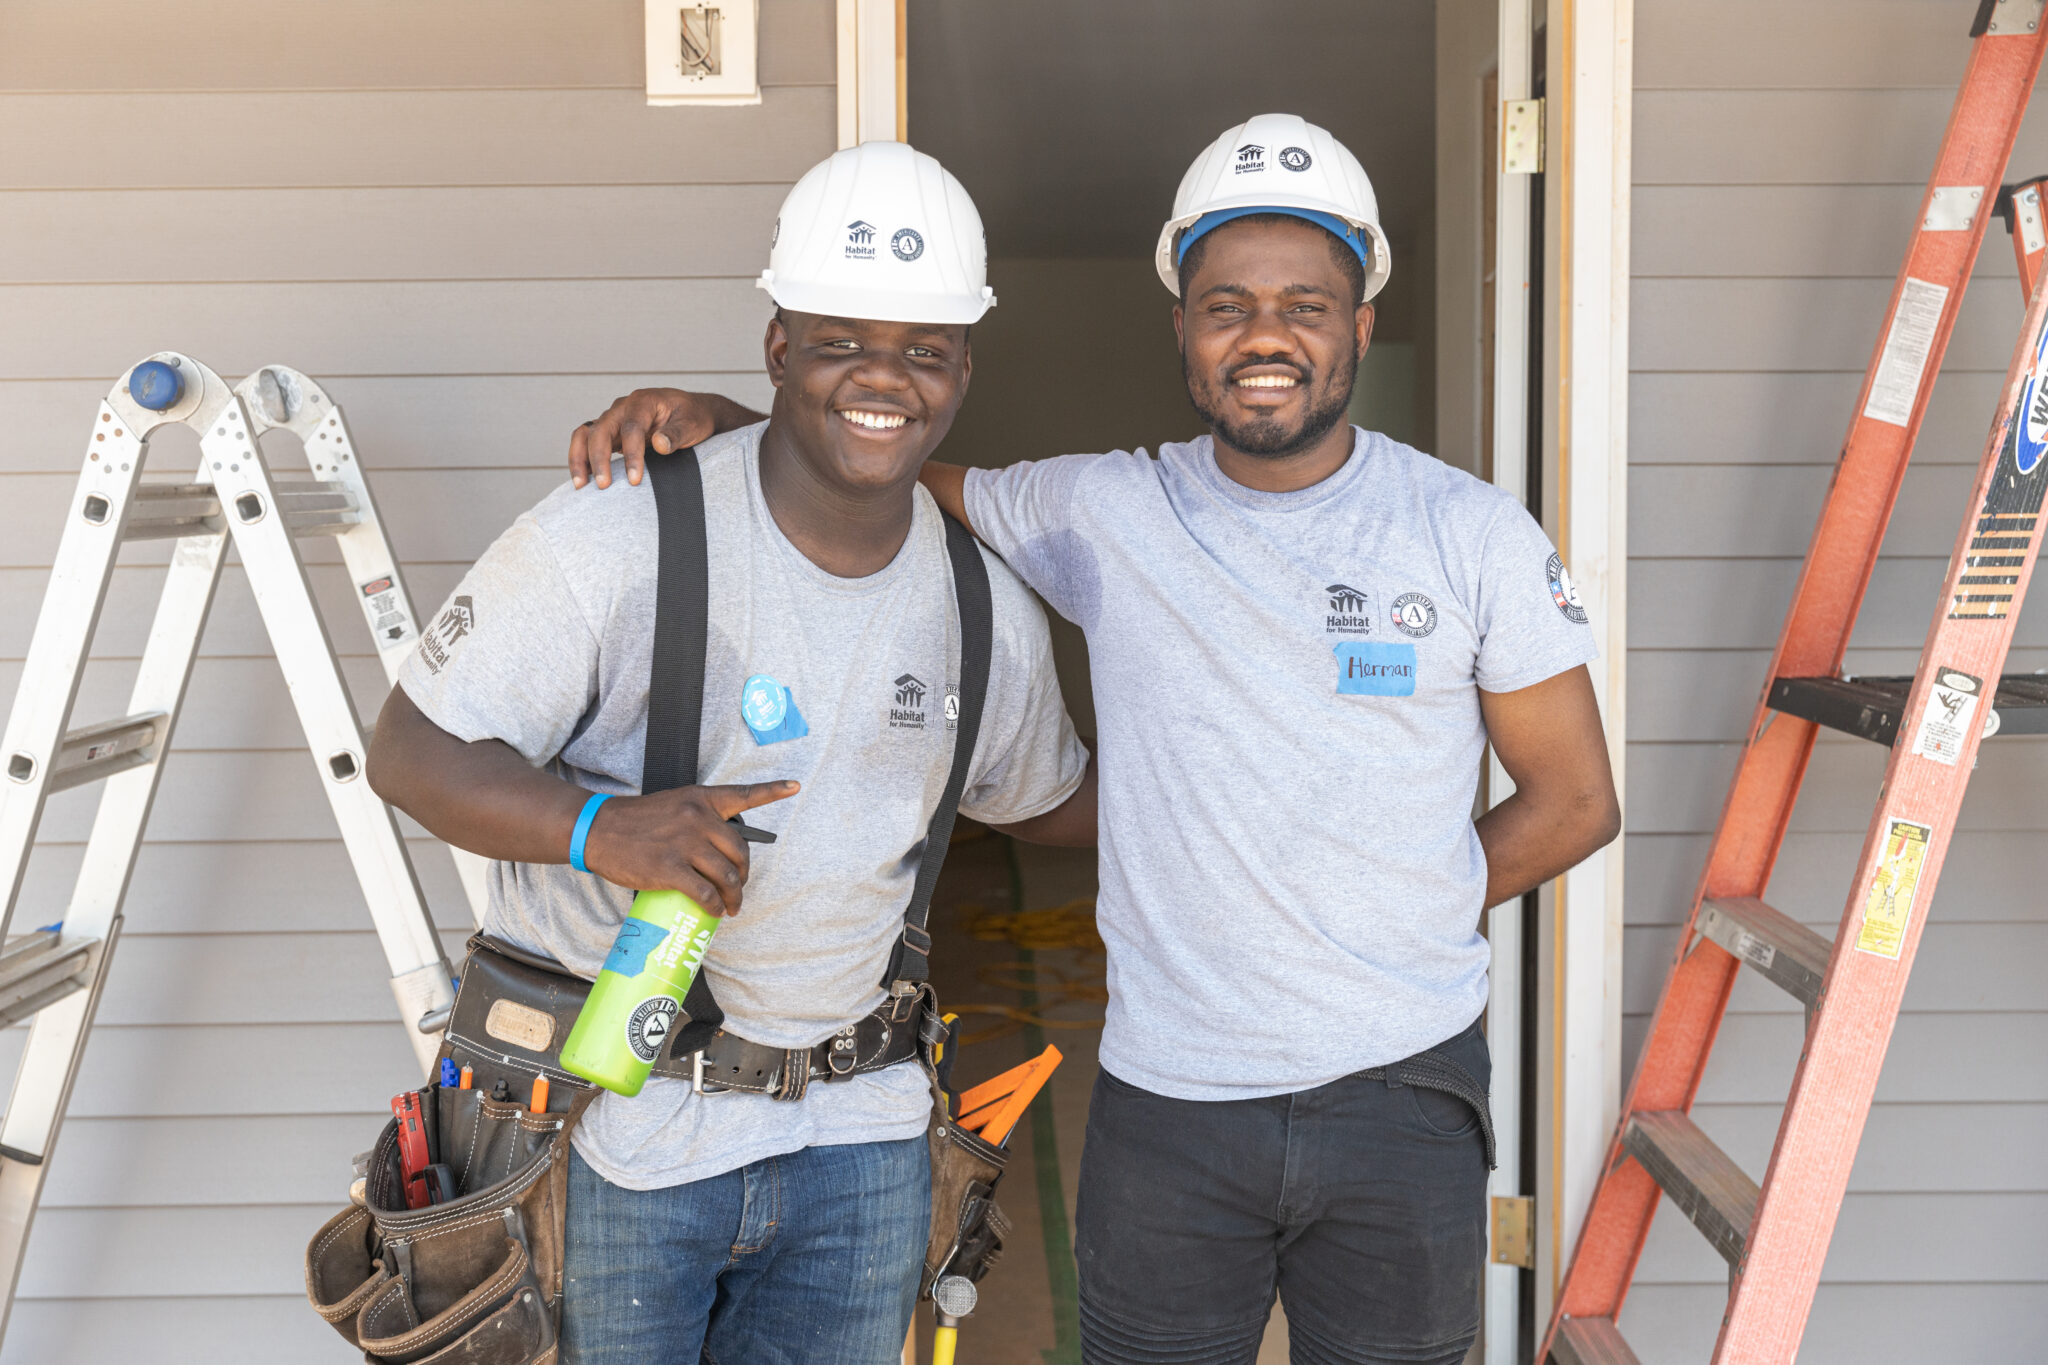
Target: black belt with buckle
[(729, 1062)]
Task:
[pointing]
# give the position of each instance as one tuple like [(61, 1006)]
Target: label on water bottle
[(647, 1028)]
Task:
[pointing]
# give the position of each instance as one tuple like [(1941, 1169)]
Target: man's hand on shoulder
[(664, 420)]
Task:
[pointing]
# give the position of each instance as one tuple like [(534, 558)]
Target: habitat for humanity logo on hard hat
[(826, 244)]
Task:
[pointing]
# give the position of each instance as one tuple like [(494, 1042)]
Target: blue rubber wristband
[(583, 829)]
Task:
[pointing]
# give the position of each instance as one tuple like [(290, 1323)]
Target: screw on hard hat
[(1277, 163), (879, 231)]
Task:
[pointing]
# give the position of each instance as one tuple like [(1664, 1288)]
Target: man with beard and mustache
[(1302, 636)]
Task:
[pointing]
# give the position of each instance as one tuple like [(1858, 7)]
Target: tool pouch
[(513, 1011), (477, 1279), (967, 1226)]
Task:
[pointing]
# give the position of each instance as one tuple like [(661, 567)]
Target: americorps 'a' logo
[(1563, 591), (1295, 158), (907, 245), (1414, 614)]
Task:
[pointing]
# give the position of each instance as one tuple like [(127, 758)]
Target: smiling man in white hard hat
[(1302, 636), (765, 1199)]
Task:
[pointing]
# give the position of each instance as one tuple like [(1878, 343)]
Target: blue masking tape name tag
[(1375, 668), (637, 938)]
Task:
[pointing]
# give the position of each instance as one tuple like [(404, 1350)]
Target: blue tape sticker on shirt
[(637, 938), (763, 702), (1375, 668), (792, 727), (769, 709)]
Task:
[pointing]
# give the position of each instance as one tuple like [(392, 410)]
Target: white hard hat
[(1279, 163), (879, 231)]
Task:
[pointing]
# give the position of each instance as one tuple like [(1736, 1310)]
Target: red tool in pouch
[(413, 1156)]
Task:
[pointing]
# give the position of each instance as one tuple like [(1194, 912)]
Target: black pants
[(1362, 1204)]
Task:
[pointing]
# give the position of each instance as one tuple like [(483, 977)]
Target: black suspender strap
[(675, 693), (911, 961)]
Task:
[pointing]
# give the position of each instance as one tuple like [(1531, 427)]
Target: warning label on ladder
[(1889, 908), (385, 608), (1906, 346), (1945, 724)]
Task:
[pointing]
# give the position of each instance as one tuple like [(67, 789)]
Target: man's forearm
[(482, 796), (947, 483), (1529, 841), (1070, 824)]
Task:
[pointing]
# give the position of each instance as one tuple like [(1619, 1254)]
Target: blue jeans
[(807, 1259)]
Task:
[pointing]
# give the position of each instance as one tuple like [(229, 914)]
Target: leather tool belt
[(515, 1008)]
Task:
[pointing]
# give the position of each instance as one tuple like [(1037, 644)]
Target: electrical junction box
[(703, 54)]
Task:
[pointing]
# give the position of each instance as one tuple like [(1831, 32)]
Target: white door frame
[(872, 83), (1589, 52), (1583, 504)]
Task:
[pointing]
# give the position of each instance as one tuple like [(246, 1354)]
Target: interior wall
[(1781, 150), (465, 221)]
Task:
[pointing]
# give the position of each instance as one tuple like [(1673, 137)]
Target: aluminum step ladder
[(55, 974), (1775, 1235)]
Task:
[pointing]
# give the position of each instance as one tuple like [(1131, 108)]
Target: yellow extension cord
[(1063, 926)]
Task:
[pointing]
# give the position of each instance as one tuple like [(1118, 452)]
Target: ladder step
[(169, 510), (1783, 950), (1699, 1177), (40, 969), (1870, 708), (98, 751), (1590, 1341)]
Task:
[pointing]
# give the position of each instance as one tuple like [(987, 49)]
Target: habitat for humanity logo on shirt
[(1350, 610), (908, 712)]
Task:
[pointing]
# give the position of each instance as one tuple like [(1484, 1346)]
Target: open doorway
[(1071, 123)]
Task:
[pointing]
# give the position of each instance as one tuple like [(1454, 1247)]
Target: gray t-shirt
[(546, 645), (1287, 697)]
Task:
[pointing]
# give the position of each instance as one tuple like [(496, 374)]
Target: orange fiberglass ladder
[(1775, 1236)]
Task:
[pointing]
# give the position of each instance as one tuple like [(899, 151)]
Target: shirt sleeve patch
[(1375, 668)]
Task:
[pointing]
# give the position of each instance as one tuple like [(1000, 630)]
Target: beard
[(1328, 400)]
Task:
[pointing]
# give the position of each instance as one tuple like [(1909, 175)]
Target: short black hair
[(1347, 259)]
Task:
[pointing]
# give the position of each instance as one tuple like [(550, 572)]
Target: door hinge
[(1514, 1223), (1521, 137)]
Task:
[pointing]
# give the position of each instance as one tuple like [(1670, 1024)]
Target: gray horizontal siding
[(58, 45), (465, 222), (404, 137), (1780, 150)]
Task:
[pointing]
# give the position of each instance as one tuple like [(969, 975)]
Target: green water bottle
[(637, 1001)]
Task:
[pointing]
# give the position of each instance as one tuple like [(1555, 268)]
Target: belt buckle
[(697, 1077)]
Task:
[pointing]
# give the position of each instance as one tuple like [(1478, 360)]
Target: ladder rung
[(1782, 949), (168, 510), (1699, 1177), (1590, 1341), (40, 969), (1870, 708), (102, 750)]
